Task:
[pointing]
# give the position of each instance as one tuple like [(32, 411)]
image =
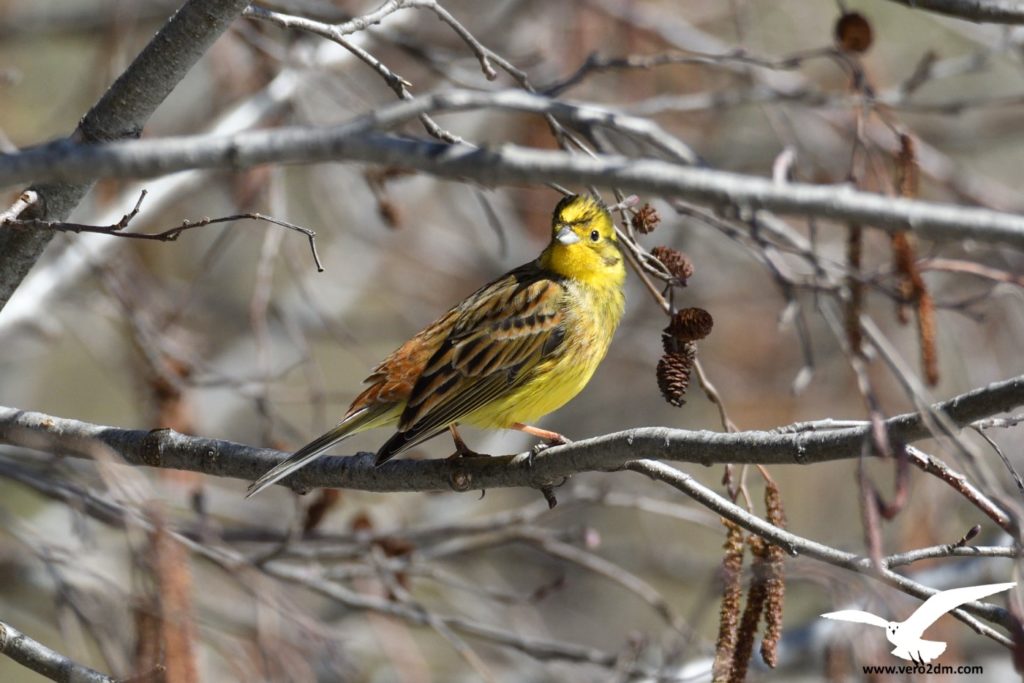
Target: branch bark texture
[(44, 661), (120, 113), (981, 11), (358, 140), (168, 449)]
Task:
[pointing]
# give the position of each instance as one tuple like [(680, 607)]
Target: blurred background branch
[(121, 112), (995, 11), (43, 660)]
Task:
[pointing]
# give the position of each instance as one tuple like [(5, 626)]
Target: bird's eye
[(595, 236)]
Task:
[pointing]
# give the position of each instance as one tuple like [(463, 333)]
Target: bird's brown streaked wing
[(392, 380), (437, 422), (497, 339)]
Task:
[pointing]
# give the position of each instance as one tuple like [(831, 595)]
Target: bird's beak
[(566, 236)]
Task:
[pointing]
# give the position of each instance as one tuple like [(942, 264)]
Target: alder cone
[(688, 324), (674, 373), (646, 219), (675, 262), (853, 33)]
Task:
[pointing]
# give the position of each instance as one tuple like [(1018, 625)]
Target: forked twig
[(169, 235)]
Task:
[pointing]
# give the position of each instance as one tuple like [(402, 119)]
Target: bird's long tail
[(367, 418)]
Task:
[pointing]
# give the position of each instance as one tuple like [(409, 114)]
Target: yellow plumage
[(516, 349)]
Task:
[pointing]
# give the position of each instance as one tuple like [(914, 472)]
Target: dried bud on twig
[(971, 533), (907, 170), (646, 219), (853, 33), (675, 262)]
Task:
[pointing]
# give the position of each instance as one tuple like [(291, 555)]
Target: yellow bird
[(518, 348)]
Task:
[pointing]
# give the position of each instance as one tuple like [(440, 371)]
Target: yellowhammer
[(515, 350)]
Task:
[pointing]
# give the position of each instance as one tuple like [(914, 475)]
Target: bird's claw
[(548, 491), (466, 453), (534, 452), (542, 446), (549, 495)]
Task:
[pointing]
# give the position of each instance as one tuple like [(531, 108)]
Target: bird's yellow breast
[(592, 315)]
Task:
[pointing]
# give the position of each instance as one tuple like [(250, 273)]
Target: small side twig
[(170, 235), (398, 85), (932, 465), (24, 201), (712, 393)]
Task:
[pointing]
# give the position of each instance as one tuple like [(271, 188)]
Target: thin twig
[(399, 85), (170, 235), (796, 545)]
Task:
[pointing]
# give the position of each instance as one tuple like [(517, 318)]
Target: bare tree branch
[(44, 661), (121, 112), (796, 545), (355, 141), (982, 11), (168, 449)]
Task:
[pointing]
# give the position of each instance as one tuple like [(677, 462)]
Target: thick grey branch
[(121, 112), (357, 141), (41, 659), (168, 449), (988, 11)]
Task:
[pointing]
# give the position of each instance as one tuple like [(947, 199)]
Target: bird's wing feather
[(438, 421), (500, 334), (857, 616), (945, 601), (392, 380)]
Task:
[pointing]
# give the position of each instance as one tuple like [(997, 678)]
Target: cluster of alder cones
[(679, 339)]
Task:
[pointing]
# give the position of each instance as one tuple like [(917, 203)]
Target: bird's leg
[(553, 438), (461, 449), (550, 439)]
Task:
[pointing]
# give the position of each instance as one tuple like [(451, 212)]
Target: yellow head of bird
[(583, 243)]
